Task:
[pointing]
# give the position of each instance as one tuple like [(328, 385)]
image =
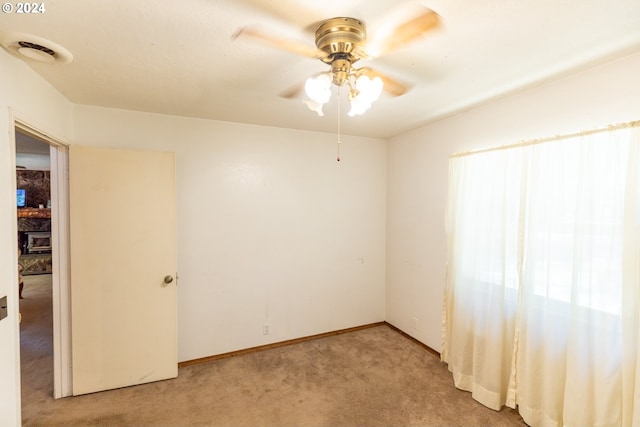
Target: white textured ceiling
[(177, 57)]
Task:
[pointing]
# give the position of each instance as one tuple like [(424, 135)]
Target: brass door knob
[(168, 279)]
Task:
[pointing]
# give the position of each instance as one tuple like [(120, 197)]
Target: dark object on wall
[(3, 307)]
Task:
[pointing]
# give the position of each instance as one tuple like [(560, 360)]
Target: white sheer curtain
[(542, 304)]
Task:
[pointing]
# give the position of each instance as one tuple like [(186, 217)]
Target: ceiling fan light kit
[(363, 92)]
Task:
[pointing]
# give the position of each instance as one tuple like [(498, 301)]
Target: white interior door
[(123, 245)]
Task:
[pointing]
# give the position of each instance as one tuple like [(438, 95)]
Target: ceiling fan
[(340, 43)]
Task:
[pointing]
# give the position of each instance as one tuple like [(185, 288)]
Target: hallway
[(36, 341)]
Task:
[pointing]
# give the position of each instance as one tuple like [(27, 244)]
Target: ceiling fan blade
[(293, 92), (277, 42), (415, 25), (297, 90), (291, 11), (390, 85)]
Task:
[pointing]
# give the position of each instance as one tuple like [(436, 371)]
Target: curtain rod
[(526, 142)]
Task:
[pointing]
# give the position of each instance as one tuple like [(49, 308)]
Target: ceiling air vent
[(27, 46), (36, 52)]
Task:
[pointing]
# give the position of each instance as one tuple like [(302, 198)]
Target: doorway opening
[(42, 243)]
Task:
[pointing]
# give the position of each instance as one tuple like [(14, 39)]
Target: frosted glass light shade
[(314, 106), (369, 90), (318, 89)]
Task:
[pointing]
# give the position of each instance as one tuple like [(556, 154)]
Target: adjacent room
[(347, 213)]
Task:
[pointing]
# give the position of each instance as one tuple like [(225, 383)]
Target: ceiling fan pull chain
[(339, 138)]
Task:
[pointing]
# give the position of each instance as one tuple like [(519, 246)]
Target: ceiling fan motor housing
[(341, 38)]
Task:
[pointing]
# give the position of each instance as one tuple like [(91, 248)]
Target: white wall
[(28, 97), (418, 164), (271, 229)]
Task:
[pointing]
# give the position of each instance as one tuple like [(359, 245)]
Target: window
[(543, 277)]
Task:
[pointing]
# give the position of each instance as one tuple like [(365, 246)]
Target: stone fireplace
[(38, 241), (34, 222), (34, 240)]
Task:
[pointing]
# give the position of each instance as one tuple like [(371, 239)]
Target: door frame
[(61, 285)]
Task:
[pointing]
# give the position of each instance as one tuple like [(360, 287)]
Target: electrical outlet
[(265, 329)]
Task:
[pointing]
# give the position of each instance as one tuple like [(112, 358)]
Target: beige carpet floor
[(371, 377)]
